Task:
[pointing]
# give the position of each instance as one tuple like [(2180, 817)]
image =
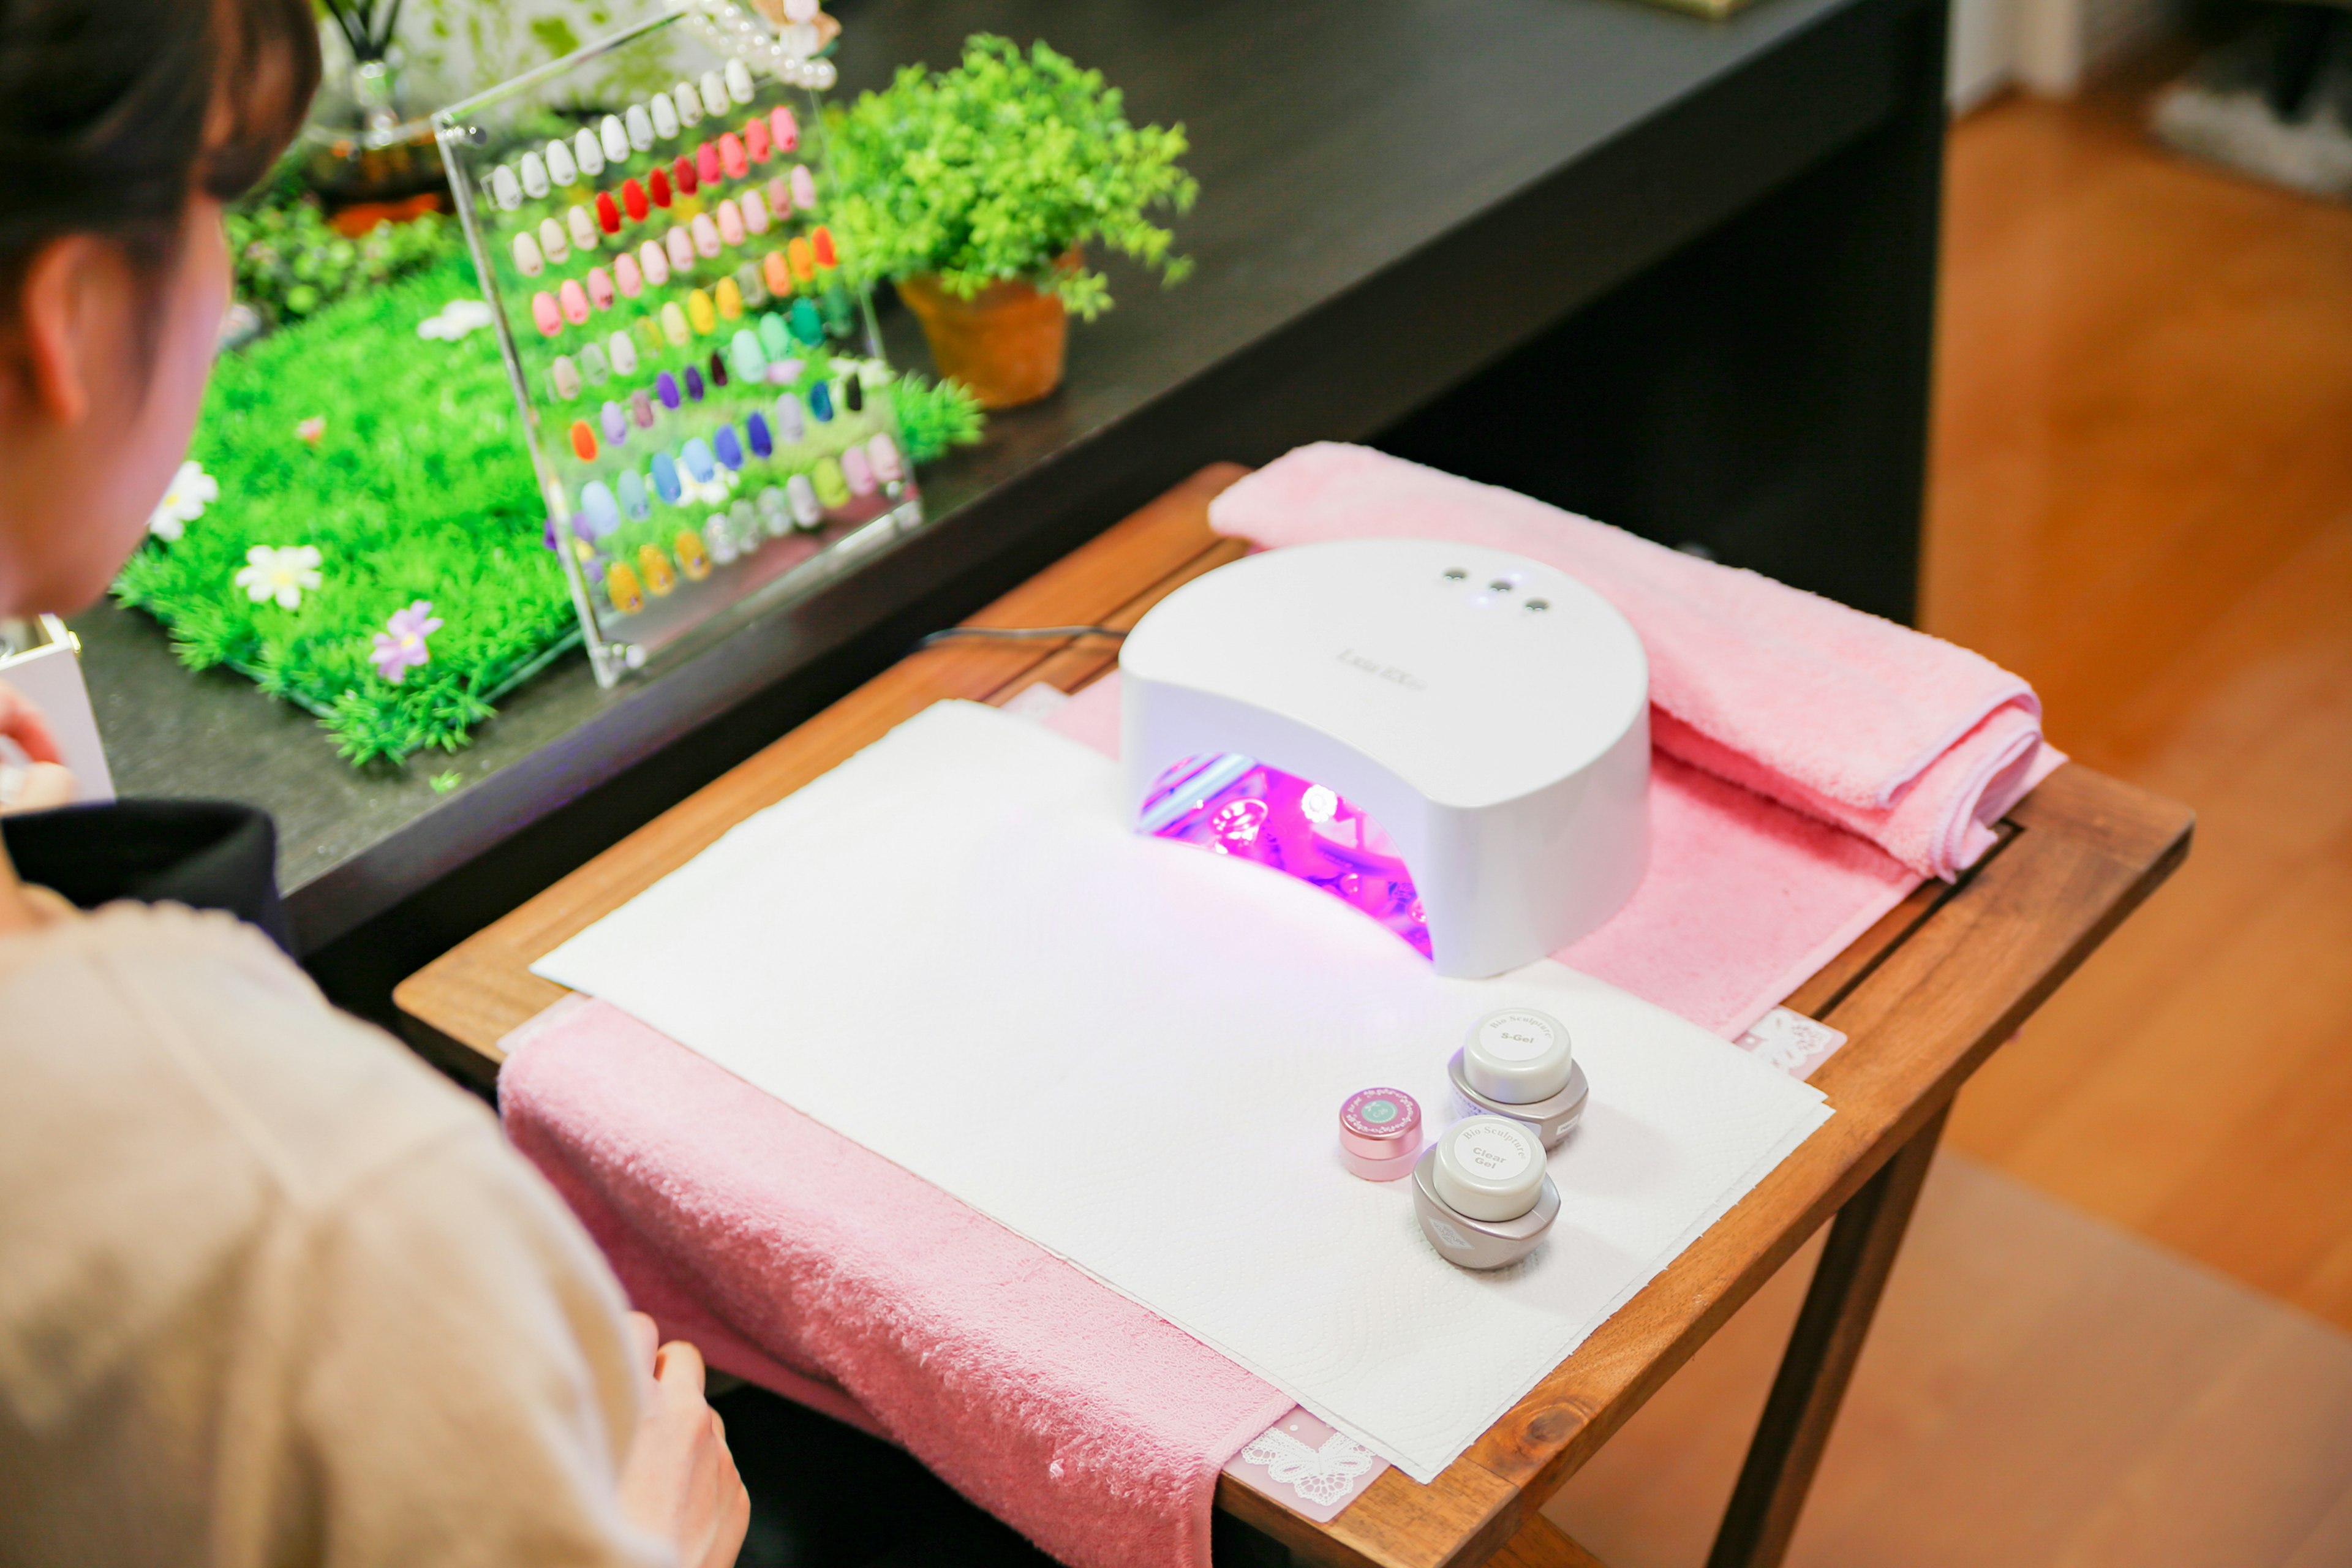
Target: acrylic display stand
[(704, 396)]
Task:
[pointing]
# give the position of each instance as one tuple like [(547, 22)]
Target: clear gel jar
[(1482, 1194)]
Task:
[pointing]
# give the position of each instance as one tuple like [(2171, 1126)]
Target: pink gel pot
[(1380, 1133)]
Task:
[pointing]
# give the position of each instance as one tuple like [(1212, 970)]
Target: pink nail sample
[(653, 263), (575, 301), (731, 222), (858, 471), (731, 154), (1380, 1133), (754, 211), (680, 246), (780, 196), (706, 235), (786, 130), (757, 142), (803, 187), (885, 453), (706, 162), (546, 312), (600, 288), (625, 273)]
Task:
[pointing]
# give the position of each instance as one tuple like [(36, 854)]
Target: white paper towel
[(951, 949)]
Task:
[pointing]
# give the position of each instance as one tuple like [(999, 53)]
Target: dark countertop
[(1394, 193)]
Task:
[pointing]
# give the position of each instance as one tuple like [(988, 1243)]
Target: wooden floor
[(2142, 501), (2040, 1390)]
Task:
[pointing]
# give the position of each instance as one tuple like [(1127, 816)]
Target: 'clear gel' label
[(1494, 1150)]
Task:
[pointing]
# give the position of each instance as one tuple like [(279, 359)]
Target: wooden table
[(1924, 998)]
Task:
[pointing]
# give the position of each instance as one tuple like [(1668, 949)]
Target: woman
[(269, 1290)]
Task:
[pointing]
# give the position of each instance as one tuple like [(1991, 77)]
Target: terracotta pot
[(1005, 343)]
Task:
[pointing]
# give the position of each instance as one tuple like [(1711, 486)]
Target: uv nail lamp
[(1455, 741)]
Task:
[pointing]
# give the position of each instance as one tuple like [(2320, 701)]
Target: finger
[(45, 785), (677, 1367), (719, 1429), (21, 722), (644, 1334)]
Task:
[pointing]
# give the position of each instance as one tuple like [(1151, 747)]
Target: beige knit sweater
[(271, 1291)]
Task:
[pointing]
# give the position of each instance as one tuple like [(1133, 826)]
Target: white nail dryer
[(1488, 712)]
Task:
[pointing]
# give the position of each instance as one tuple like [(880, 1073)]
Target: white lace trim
[(1322, 1476)]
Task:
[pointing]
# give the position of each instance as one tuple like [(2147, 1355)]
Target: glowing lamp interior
[(1231, 805)]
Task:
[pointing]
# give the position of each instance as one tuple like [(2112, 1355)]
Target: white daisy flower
[(283, 575), (458, 318), (184, 500), (716, 492)]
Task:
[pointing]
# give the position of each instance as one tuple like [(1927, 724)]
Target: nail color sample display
[(704, 395)]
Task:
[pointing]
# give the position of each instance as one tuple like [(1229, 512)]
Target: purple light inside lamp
[(1231, 805)]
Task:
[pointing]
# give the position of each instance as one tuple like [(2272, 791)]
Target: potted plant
[(978, 189)]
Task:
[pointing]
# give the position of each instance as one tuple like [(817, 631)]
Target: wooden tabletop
[(1923, 997)]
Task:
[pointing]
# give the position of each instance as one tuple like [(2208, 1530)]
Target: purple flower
[(402, 648)]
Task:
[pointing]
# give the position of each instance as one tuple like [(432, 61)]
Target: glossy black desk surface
[(1394, 193)]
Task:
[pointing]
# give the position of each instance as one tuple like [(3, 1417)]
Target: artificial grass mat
[(415, 486)]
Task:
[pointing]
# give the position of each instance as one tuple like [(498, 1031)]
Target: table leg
[(1819, 1362), (1541, 1543)]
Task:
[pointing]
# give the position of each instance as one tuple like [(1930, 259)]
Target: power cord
[(1020, 634)]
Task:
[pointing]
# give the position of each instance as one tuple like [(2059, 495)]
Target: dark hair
[(114, 113)]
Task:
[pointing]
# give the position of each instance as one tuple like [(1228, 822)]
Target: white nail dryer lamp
[(1487, 713)]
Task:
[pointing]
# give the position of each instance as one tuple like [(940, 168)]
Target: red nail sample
[(683, 173), (608, 216), (632, 195)]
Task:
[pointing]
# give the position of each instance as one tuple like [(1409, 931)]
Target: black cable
[(1020, 634)]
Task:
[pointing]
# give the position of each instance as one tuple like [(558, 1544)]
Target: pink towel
[(810, 1265), (1914, 744)]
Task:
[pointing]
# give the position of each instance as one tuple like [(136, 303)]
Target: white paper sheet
[(951, 949)]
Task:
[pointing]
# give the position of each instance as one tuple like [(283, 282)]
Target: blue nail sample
[(694, 383), (616, 424), (819, 401), (729, 449), (695, 455), (633, 500), (598, 509), (667, 384), (756, 429), (666, 483)]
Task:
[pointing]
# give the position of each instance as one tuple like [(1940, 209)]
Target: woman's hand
[(680, 1480), (44, 784)]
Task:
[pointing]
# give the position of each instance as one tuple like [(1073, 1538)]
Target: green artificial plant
[(998, 169), (291, 263)]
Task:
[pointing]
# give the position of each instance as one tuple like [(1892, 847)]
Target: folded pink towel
[(813, 1267), (1913, 744)]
